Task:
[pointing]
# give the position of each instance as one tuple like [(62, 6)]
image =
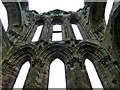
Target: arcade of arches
[(99, 44)]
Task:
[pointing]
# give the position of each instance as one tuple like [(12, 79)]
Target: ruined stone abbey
[(100, 44)]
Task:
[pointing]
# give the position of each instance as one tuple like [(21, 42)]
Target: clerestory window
[(57, 33), (37, 33), (77, 32), (108, 9)]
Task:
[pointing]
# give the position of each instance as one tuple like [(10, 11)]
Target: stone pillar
[(9, 75), (108, 71), (46, 33), (76, 75), (5, 45), (67, 30), (37, 76)]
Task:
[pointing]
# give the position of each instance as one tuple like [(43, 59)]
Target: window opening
[(108, 10), (57, 28), (93, 76), (57, 37), (3, 16), (37, 33), (57, 33), (77, 32), (22, 76), (57, 74)]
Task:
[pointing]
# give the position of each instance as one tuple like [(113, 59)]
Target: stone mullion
[(30, 80), (37, 77), (77, 76), (63, 32), (67, 30), (50, 32), (46, 31)]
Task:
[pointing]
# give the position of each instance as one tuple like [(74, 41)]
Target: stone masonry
[(100, 44)]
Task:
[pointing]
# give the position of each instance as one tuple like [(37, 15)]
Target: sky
[(45, 6)]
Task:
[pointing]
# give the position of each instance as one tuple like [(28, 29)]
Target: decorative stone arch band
[(12, 65), (101, 60), (42, 64)]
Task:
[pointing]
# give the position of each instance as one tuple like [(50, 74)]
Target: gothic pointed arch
[(101, 60), (12, 64), (53, 51)]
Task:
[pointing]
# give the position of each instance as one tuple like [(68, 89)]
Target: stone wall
[(100, 44)]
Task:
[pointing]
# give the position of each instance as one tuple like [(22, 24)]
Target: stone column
[(5, 45), (37, 76), (9, 75), (67, 30), (46, 33), (76, 75)]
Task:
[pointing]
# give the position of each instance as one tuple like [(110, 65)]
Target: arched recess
[(35, 28), (57, 74), (50, 53), (102, 62), (77, 32), (12, 65), (73, 71), (55, 50), (77, 29), (57, 28), (37, 33)]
